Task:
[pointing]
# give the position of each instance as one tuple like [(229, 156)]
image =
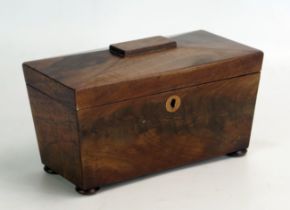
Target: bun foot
[(49, 170), (238, 153), (87, 192)]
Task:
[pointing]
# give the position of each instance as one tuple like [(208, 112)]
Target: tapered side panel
[(57, 135), (138, 137)]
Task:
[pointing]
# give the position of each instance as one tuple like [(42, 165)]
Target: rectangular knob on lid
[(142, 46)]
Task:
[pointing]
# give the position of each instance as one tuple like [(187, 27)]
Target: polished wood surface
[(138, 137), (49, 87), (57, 135), (102, 119), (142, 46), (99, 78)]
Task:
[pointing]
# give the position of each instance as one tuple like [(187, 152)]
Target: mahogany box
[(143, 106)]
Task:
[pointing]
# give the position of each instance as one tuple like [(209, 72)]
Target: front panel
[(145, 135)]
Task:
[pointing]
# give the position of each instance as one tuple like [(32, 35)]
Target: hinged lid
[(141, 67)]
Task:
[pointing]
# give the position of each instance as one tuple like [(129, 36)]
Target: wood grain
[(113, 93), (99, 78), (102, 119), (142, 46), (57, 135), (137, 137), (50, 87)]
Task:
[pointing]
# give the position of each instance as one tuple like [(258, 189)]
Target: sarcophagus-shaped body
[(143, 106)]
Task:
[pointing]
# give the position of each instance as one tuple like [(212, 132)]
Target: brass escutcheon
[(173, 103)]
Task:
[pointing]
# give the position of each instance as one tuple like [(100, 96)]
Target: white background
[(34, 29)]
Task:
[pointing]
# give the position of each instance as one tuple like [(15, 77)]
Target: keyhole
[(173, 103)]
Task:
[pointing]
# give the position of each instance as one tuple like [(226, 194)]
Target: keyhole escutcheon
[(173, 103)]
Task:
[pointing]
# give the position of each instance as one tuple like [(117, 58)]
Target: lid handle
[(142, 46)]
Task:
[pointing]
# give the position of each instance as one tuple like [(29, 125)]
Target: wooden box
[(143, 106)]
